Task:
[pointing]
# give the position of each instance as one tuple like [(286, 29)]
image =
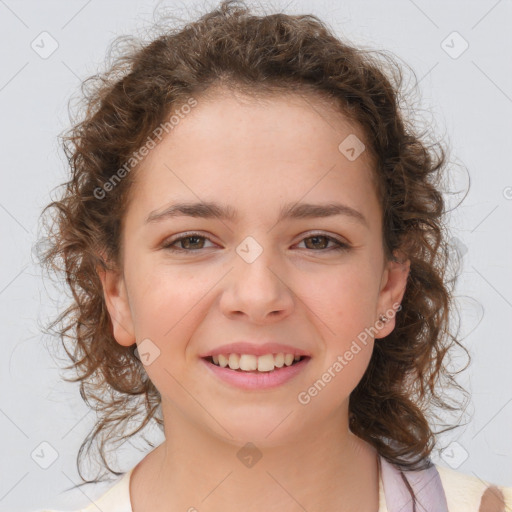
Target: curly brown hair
[(408, 374)]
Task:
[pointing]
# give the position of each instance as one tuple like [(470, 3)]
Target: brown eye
[(321, 242), (194, 242), (189, 243)]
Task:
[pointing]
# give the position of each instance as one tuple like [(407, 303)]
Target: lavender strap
[(425, 484)]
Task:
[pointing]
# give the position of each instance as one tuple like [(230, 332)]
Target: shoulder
[(115, 499), (469, 493)]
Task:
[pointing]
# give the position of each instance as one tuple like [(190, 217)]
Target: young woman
[(254, 236)]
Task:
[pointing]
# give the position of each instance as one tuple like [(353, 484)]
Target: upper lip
[(257, 349)]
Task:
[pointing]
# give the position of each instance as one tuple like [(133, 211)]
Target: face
[(313, 282)]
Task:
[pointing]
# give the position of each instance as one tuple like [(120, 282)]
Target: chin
[(263, 428)]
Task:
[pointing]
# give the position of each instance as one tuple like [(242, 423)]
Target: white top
[(463, 494)]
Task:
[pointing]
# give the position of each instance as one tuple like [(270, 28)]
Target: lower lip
[(260, 380)]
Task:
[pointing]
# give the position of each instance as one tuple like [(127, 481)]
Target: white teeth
[(279, 360), (266, 363), (234, 361), (249, 362)]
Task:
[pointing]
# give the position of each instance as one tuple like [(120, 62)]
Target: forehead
[(240, 147), (231, 119)]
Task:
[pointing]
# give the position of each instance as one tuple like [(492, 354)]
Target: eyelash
[(341, 246)]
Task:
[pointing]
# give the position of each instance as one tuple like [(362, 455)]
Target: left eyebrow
[(211, 210)]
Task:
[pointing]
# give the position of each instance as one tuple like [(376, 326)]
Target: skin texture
[(254, 155)]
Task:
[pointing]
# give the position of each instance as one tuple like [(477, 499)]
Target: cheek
[(343, 298), (164, 302), (167, 307), (343, 303)]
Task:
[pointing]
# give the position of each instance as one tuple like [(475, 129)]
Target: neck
[(323, 468)]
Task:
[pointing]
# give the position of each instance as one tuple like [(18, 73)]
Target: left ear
[(393, 284)]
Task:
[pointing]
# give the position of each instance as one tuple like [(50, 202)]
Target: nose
[(257, 290)]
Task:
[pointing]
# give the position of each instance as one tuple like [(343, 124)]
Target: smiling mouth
[(244, 363)]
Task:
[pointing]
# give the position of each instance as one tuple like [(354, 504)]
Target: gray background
[(469, 97)]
